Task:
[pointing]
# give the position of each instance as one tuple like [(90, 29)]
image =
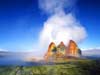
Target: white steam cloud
[(60, 26), (56, 6)]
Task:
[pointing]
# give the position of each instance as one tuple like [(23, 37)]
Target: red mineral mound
[(72, 49), (61, 48), (51, 48), (61, 51)]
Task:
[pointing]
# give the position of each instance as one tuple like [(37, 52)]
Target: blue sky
[(22, 20), (89, 16)]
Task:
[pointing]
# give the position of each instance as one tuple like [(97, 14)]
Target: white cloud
[(55, 6), (3, 49)]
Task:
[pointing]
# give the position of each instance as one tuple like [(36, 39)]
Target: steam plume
[(60, 26)]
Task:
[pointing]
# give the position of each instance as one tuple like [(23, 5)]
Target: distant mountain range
[(91, 52), (17, 54)]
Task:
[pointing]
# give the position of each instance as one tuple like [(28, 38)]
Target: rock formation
[(62, 51), (51, 50), (72, 49)]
